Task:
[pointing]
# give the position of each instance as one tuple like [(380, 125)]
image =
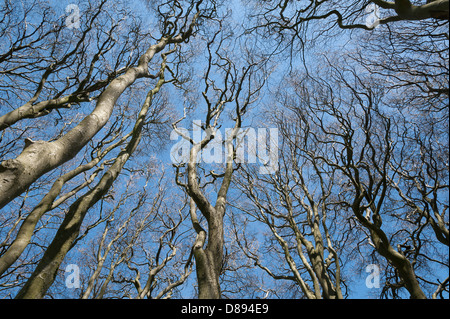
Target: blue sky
[(313, 59)]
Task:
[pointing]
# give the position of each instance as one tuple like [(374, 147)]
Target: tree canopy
[(212, 149)]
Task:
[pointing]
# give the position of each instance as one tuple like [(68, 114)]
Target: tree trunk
[(40, 157), (46, 271), (209, 262)]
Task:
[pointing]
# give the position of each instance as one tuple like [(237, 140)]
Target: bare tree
[(45, 272), (87, 105), (295, 15), (295, 204), (177, 26), (355, 135), (123, 244), (240, 88), (40, 157)]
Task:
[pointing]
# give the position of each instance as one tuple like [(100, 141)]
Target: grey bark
[(209, 260), (38, 158), (46, 271)]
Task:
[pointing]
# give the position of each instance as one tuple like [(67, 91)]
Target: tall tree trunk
[(209, 260), (46, 271), (40, 157)]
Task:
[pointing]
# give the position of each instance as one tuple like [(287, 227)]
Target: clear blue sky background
[(358, 285)]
